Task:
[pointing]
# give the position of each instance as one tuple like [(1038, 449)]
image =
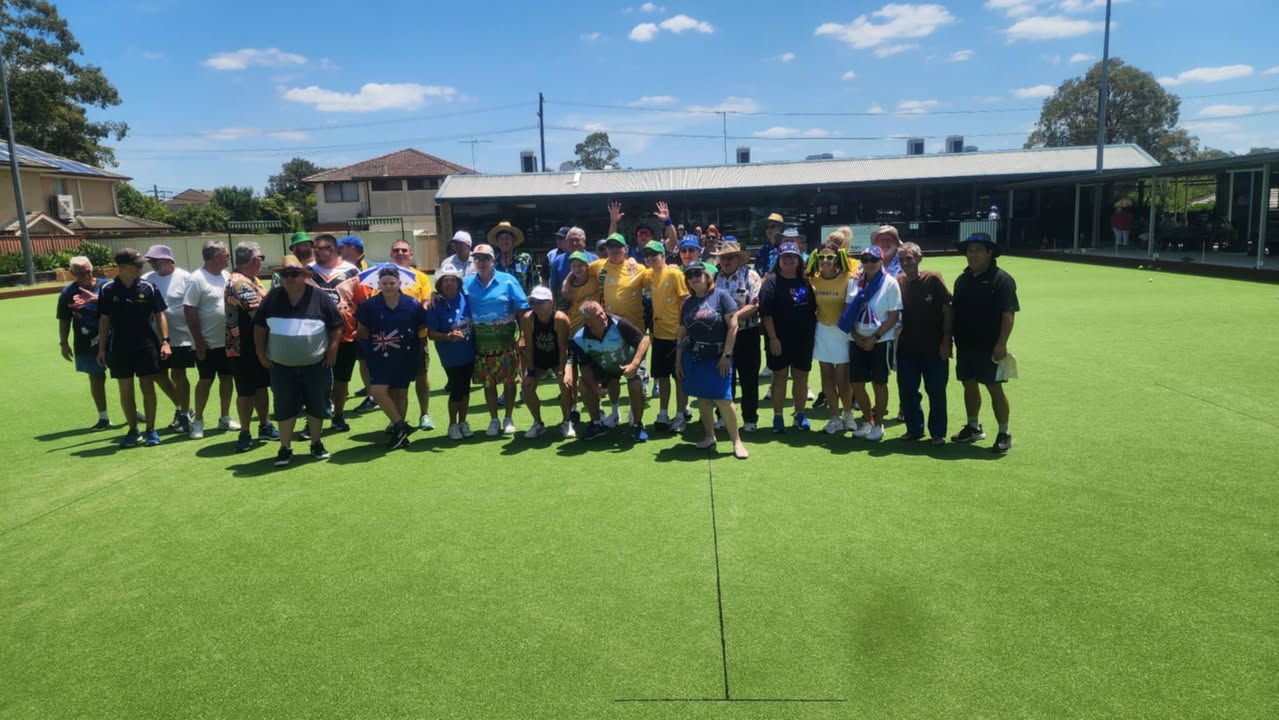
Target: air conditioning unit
[(63, 206), (915, 146), (743, 155), (954, 143), (528, 162)]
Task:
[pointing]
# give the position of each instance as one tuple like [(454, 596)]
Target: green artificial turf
[(1120, 562)]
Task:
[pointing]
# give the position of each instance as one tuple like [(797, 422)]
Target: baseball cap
[(352, 241), (789, 248), (690, 241), (655, 247), (699, 265), (580, 256), (562, 232), (159, 252), (541, 293), (615, 238), (128, 256), (873, 251), (483, 249), (463, 237)]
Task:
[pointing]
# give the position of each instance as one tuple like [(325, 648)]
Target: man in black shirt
[(985, 301), (129, 305)]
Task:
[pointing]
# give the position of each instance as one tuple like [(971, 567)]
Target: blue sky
[(223, 93)]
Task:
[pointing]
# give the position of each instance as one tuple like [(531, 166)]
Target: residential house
[(399, 185), (188, 198)]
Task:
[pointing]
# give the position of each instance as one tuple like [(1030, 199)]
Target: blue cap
[(789, 248), (352, 241), (874, 252), (690, 241)]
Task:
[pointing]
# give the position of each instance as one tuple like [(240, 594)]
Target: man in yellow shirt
[(668, 290), (621, 281)]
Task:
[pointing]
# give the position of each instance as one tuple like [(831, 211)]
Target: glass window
[(386, 185), (419, 184), (341, 192)]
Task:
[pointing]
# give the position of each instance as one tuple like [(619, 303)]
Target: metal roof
[(30, 157), (991, 164), (1185, 169)]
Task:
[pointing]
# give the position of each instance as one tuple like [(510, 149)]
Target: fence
[(42, 244)]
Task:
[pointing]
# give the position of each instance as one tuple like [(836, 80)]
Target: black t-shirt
[(980, 303), (80, 306), (131, 309), (791, 303)]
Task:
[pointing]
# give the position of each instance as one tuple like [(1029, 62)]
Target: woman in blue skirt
[(704, 353)]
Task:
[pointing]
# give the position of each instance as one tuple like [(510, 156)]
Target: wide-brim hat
[(776, 218), (290, 261), (158, 252), (505, 227), (728, 247), (299, 237), (446, 273), (981, 238), (887, 230)]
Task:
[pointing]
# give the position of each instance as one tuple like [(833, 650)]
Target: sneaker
[(749, 427), (765, 372), (283, 456), (399, 440), (187, 418), (1003, 443), (768, 394), (369, 405), (834, 426), (537, 430), (152, 438), (820, 401), (863, 429), (495, 428), (362, 392), (848, 420), (267, 431), (226, 423), (811, 397), (465, 428), (177, 420), (719, 424), (455, 432), (639, 433), (101, 424), (801, 422), (663, 421), (141, 416), (318, 452), (679, 423), (508, 426), (390, 429), (339, 424), (779, 424), (593, 431), (911, 437), (876, 433), (567, 430), (655, 392), (305, 432), (131, 439), (244, 442), (937, 441), (611, 420), (968, 434), (425, 422), (197, 429)]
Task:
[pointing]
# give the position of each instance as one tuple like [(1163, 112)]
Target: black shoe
[(1003, 443), (401, 437), (339, 424), (361, 392), (592, 431), (968, 434), (102, 424), (318, 452), (304, 434), (369, 405), (911, 437), (820, 401), (283, 457), (575, 416)]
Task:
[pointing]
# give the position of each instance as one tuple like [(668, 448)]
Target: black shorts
[(214, 364), (301, 389), (662, 352), (870, 366), (181, 359), (141, 362), (797, 353), (975, 364), (344, 366), (459, 384), (250, 376)]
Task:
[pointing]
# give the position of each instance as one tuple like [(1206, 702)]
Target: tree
[(1138, 110), (278, 208), (136, 203), (595, 153), (239, 202), (301, 195), (50, 91), (202, 218)]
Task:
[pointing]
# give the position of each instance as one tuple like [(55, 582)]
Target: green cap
[(704, 267), (615, 238), (654, 246), (298, 238), (579, 255)]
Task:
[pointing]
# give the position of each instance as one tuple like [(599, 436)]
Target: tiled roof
[(406, 163)]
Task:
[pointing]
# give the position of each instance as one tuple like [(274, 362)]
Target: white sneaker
[(226, 423), (848, 419), (534, 432), (425, 422), (611, 419), (197, 429), (662, 419), (567, 429), (768, 394), (455, 432), (834, 426), (495, 428), (863, 429), (749, 427), (811, 396), (678, 424), (508, 427), (465, 428), (876, 433), (765, 372)]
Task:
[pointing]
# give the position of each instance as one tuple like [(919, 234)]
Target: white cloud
[(372, 97), (647, 100), (786, 57), (884, 51), (848, 75), (961, 56), (591, 36), (1208, 75), (1081, 57), (1038, 91), (899, 21), (915, 107), (232, 133), (1013, 8), (643, 32), (242, 59), (1270, 108), (649, 7), (327, 64), (731, 104), (875, 109), (1272, 71), (683, 23), (1211, 126), (1222, 111), (1081, 5), (290, 135), (785, 132), (1050, 27)]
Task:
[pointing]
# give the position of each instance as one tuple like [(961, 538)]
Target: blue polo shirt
[(446, 316), (495, 311)]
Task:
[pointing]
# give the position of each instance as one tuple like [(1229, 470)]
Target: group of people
[(710, 319)]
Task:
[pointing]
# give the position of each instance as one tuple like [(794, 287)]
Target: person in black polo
[(984, 303), (127, 343)]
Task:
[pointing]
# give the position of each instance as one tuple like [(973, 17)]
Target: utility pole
[(541, 126), (723, 116), (27, 260), (472, 142), (155, 192), (1103, 92)]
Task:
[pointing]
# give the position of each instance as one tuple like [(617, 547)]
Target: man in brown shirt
[(923, 347)]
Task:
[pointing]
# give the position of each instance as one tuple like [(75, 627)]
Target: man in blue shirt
[(576, 237), (766, 256)]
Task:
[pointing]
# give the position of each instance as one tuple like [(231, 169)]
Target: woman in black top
[(546, 334), (789, 310)]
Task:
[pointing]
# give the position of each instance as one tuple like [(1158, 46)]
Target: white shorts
[(831, 345)]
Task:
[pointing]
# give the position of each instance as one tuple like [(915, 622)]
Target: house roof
[(406, 163), (34, 221), (30, 157), (117, 223), (998, 164), (190, 196)]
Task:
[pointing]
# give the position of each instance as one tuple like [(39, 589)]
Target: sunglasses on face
[(695, 274), (291, 273), (827, 258), (869, 259), (399, 250)]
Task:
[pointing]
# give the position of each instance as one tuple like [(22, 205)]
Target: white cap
[(541, 292), (462, 236)]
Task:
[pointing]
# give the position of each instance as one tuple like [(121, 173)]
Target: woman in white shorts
[(829, 271)]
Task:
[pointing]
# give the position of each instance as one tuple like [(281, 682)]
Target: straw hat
[(506, 227)]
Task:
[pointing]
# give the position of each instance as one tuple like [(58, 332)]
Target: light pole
[(17, 178)]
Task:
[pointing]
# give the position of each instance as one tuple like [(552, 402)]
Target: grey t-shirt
[(297, 335)]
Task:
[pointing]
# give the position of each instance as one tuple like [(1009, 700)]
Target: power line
[(345, 126), (347, 146)]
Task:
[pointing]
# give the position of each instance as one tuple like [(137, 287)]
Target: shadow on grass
[(67, 434), (261, 466), (684, 452)]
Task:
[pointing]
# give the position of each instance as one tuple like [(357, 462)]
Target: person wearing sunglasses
[(766, 256), (829, 272), (737, 278), (874, 308), (668, 291), (789, 313), (328, 272), (244, 294), (704, 362)]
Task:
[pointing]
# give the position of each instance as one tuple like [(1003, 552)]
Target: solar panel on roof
[(40, 158)]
